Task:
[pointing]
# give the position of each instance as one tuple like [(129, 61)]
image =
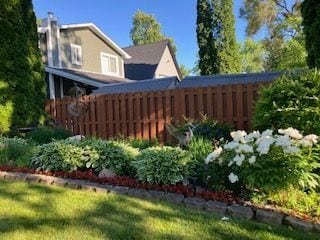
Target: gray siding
[(43, 47), (91, 45)]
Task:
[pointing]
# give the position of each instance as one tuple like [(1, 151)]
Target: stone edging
[(219, 208)]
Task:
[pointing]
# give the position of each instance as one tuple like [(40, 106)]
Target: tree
[(146, 29), (22, 86), (311, 22), (218, 49), (282, 19), (185, 72), (252, 56)]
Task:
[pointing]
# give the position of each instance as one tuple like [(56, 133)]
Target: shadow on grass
[(122, 217)]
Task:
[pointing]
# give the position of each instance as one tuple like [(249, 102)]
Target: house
[(154, 60), (215, 80), (82, 55)]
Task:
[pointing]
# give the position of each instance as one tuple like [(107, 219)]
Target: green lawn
[(34, 211)]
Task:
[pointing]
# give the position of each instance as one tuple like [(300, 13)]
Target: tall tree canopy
[(252, 56), (218, 49), (22, 86), (282, 19), (146, 29), (311, 22)]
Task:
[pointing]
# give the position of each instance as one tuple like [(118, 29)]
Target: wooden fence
[(143, 115)]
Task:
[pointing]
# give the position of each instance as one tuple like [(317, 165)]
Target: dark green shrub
[(139, 142), (163, 165), (16, 151), (113, 155), (291, 101), (42, 135), (199, 149), (63, 155)]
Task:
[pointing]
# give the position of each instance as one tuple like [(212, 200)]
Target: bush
[(291, 101), (207, 129), (113, 155), (63, 155), (140, 143), (199, 149), (270, 162), (6, 110), (15, 151), (42, 135), (162, 165)]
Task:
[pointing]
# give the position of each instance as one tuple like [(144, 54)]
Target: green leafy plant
[(63, 155), (291, 101), (113, 155), (15, 151), (140, 143), (42, 135), (166, 165), (199, 149)]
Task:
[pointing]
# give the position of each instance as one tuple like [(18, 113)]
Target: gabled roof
[(92, 79), (214, 80), (145, 59), (139, 86), (95, 30)]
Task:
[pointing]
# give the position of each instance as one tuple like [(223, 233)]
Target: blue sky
[(114, 18)]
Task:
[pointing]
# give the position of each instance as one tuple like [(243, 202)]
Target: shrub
[(269, 162), (199, 149), (291, 101), (140, 143), (15, 151), (113, 155), (166, 165), (63, 155), (42, 135)]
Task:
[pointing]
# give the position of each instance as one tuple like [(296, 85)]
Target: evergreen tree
[(311, 22), (218, 49), (22, 87)]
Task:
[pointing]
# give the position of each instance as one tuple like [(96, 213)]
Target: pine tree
[(22, 87), (311, 21), (218, 49)]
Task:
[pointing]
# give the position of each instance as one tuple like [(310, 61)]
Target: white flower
[(224, 218), (238, 135), (267, 133), (238, 159), (214, 155), (231, 145), (251, 136), (283, 141), (233, 178), (291, 149), (291, 132), (245, 148), (312, 138), (252, 159), (264, 144)]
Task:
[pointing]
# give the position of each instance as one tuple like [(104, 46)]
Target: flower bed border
[(217, 207)]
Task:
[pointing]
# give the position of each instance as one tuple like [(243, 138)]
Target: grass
[(34, 211)]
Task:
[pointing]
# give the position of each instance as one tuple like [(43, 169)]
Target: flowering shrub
[(165, 165), (267, 161)]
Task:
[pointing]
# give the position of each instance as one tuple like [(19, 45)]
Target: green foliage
[(6, 110), (291, 101), (63, 155), (165, 165), (146, 29), (15, 151), (199, 148), (218, 49), (141, 143), (252, 56), (311, 23), (185, 72), (21, 65), (113, 155), (42, 135)]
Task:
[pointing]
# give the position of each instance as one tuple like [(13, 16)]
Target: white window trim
[(103, 69), (80, 51)]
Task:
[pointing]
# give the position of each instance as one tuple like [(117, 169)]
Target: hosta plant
[(63, 155), (269, 161), (113, 155), (165, 165)]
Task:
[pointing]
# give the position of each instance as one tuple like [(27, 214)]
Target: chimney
[(53, 39)]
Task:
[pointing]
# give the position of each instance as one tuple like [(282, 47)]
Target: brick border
[(216, 207)]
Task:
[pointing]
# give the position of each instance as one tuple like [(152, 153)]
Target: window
[(109, 64), (76, 54)]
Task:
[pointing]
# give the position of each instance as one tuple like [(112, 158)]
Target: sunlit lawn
[(32, 211)]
